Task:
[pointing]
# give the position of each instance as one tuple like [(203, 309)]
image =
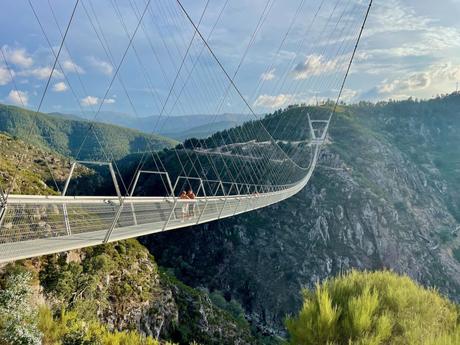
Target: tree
[(18, 317), (363, 308)]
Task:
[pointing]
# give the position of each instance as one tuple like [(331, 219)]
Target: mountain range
[(179, 127)]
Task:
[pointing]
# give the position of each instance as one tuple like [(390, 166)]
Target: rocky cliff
[(122, 287), (384, 195)]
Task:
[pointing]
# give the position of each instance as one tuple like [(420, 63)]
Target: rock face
[(383, 196), (122, 285)]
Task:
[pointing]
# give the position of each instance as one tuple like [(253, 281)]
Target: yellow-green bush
[(67, 329), (378, 308)]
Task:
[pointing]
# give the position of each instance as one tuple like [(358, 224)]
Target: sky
[(276, 52)]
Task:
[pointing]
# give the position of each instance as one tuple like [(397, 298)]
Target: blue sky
[(409, 48)]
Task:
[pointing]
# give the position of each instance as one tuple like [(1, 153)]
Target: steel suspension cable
[(101, 38), (42, 97), (170, 93), (350, 62), (208, 156), (337, 54), (118, 68), (226, 73)]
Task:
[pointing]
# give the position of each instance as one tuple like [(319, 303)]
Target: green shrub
[(232, 307), (445, 235), (372, 309), (68, 329), (18, 318)]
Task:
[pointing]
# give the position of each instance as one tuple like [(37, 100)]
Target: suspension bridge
[(239, 170)]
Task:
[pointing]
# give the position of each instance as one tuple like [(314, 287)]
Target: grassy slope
[(66, 135)]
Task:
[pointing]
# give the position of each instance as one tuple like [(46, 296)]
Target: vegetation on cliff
[(112, 294), (30, 167), (374, 308), (108, 294), (382, 197)]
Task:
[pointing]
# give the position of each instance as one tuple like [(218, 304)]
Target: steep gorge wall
[(369, 205)]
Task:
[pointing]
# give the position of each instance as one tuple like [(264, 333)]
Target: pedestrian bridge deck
[(39, 225)]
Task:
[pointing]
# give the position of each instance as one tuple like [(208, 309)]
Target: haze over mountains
[(178, 127)]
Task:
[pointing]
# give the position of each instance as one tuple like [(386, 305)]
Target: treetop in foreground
[(374, 308)]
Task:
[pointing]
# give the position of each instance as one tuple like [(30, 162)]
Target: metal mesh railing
[(38, 225)]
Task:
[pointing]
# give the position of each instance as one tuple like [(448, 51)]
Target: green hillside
[(30, 167), (65, 135)]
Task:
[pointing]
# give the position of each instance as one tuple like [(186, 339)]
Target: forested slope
[(65, 135)]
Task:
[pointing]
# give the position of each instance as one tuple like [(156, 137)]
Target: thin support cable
[(117, 70), (352, 58), (43, 95), (224, 70)]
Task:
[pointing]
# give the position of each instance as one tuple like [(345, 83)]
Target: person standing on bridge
[(183, 196), (191, 196)]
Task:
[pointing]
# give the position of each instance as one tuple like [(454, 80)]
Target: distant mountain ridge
[(177, 127), (203, 131), (65, 134)]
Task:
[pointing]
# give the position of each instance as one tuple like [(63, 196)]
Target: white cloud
[(60, 87), (101, 65), (435, 75), (18, 97), (407, 51), (72, 67), (414, 82), (286, 55), (89, 100), (314, 65), (41, 73), (393, 16), (17, 56), (5, 76), (412, 35), (92, 100), (276, 101), (269, 75)]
